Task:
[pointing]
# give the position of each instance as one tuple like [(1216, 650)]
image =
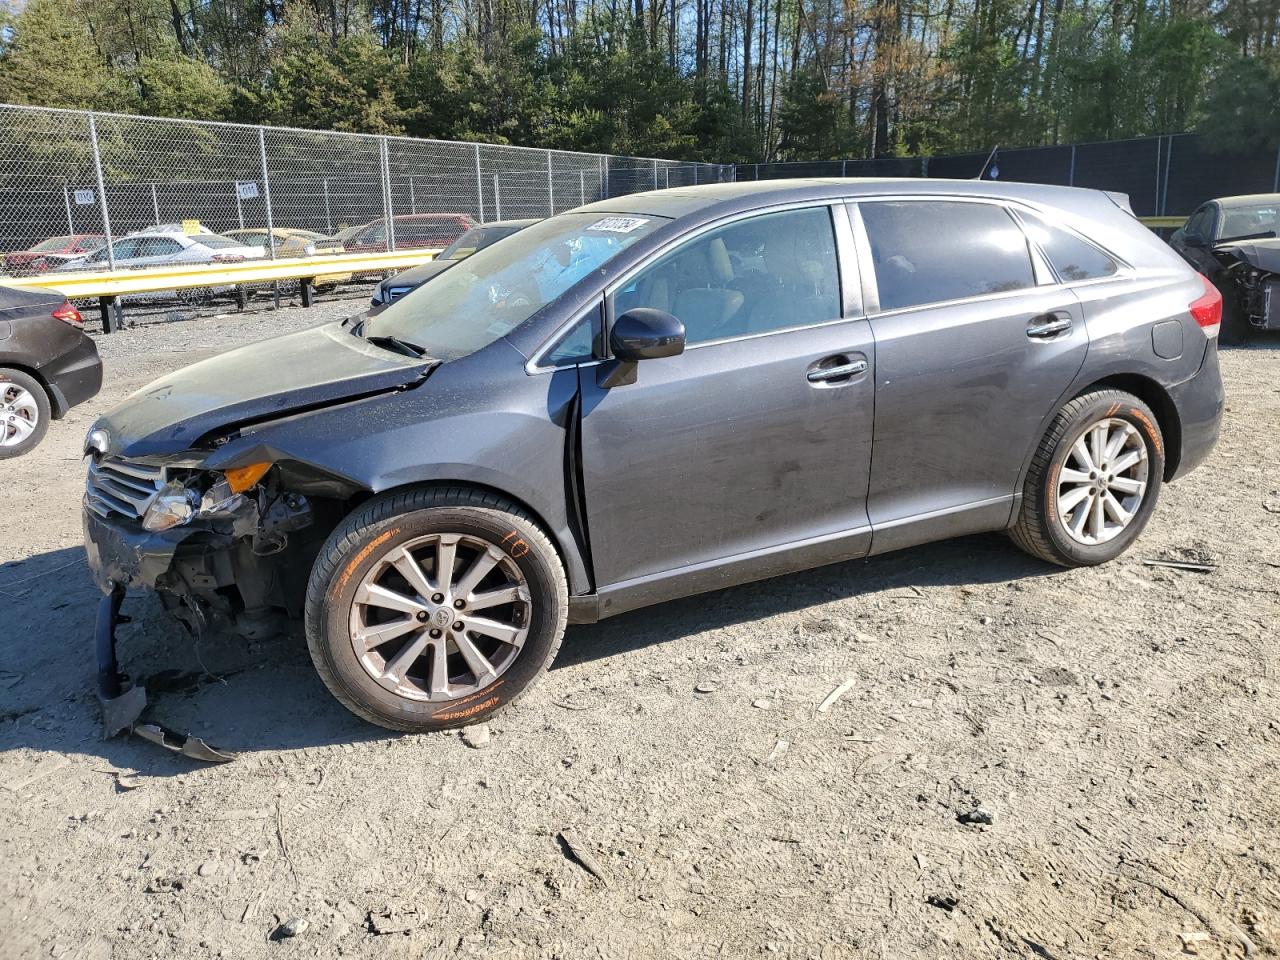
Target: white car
[(162, 248)]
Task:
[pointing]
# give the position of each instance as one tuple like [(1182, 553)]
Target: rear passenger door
[(975, 343)]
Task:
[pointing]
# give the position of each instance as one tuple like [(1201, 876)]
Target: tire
[(1047, 522), (24, 413), (407, 694)]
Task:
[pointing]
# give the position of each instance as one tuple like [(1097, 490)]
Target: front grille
[(121, 487)]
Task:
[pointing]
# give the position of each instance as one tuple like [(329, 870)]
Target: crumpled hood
[(312, 368), (1263, 254)]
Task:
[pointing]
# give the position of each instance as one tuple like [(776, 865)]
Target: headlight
[(309, 249), (98, 440), (178, 503)]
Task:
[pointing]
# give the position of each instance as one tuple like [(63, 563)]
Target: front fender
[(479, 421)]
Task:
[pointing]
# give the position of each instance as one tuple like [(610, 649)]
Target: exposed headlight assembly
[(178, 503)]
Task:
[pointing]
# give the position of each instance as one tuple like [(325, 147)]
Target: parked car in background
[(50, 254), (1235, 242), (655, 396), (162, 248), (477, 238), (47, 365), (289, 242), (413, 231)]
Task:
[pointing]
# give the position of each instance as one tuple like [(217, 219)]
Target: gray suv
[(655, 396)]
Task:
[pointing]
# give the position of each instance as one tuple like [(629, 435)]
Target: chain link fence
[(100, 191), (1163, 176)]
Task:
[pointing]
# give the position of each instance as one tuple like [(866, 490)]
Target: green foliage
[(51, 60), (1242, 113)]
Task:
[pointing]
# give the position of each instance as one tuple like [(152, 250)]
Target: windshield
[(500, 287), (51, 245), (1248, 221)]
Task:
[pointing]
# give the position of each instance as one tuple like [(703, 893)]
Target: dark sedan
[(477, 238), (1234, 242), (47, 365)]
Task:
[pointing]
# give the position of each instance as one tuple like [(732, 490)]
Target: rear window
[(932, 251), (1072, 257), (218, 242)]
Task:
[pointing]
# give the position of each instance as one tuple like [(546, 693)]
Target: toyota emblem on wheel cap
[(443, 616)]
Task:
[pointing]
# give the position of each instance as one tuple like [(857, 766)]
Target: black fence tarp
[(1163, 176)]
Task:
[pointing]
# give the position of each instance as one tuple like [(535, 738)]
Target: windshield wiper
[(389, 342)]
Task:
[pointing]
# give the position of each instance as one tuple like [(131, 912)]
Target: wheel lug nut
[(458, 627), (459, 604), (422, 616), (435, 634), (437, 597)]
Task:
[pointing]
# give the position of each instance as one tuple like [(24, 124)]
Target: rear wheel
[(24, 413), (434, 608), (1093, 482)]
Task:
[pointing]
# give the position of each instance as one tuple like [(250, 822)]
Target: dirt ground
[(672, 789)]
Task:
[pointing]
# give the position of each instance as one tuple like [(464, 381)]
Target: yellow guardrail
[(1163, 223), (123, 282)]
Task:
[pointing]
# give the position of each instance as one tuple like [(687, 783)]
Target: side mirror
[(640, 334), (646, 334)]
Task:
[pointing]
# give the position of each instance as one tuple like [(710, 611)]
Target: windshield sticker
[(619, 224)]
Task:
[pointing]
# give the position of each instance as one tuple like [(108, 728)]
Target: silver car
[(655, 396), (162, 248)]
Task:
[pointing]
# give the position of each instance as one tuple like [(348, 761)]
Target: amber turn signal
[(240, 479)]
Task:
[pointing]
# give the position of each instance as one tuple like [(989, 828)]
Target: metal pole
[(1275, 186), (551, 190), (582, 186), (413, 197), (1156, 197), (497, 199), (155, 206), (605, 178), (844, 168), (757, 176), (667, 172), (695, 173), (328, 215), (1164, 193), (266, 192), (239, 207), (387, 218), (655, 174), (66, 199), (479, 185), (102, 192), (1071, 174)]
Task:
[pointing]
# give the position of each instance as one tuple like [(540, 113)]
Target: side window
[(575, 346), (1201, 223), (125, 249), (930, 251), (158, 247), (770, 272), (1072, 257)]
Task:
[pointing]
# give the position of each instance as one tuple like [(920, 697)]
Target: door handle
[(841, 371), (1048, 326)]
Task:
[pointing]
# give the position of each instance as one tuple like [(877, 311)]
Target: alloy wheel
[(19, 414), (1103, 481), (440, 617)]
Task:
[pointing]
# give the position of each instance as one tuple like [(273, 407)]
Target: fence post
[(1164, 191), (384, 173), (1071, 174), (582, 186), (66, 199), (1275, 187), (328, 214), (655, 174), (266, 193), (239, 206), (479, 185), (604, 178), (551, 190), (695, 173), (155, 207), (497, 200), (413, 197), (844, 168), (102, 192)]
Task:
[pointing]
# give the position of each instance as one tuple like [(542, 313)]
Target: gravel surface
[(954, 751)]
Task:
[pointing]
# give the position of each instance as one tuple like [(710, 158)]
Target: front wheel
[(434, 608), (1093, 482)]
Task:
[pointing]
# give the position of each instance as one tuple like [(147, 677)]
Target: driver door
[(749, 454)]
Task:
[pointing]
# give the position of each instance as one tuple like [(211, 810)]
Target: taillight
[(69, 314), (228, 258), (1207, 309)]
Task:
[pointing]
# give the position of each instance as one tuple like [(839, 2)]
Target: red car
[(413, 231), (51, 253)]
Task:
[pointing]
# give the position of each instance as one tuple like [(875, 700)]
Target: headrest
[(718, 260)]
